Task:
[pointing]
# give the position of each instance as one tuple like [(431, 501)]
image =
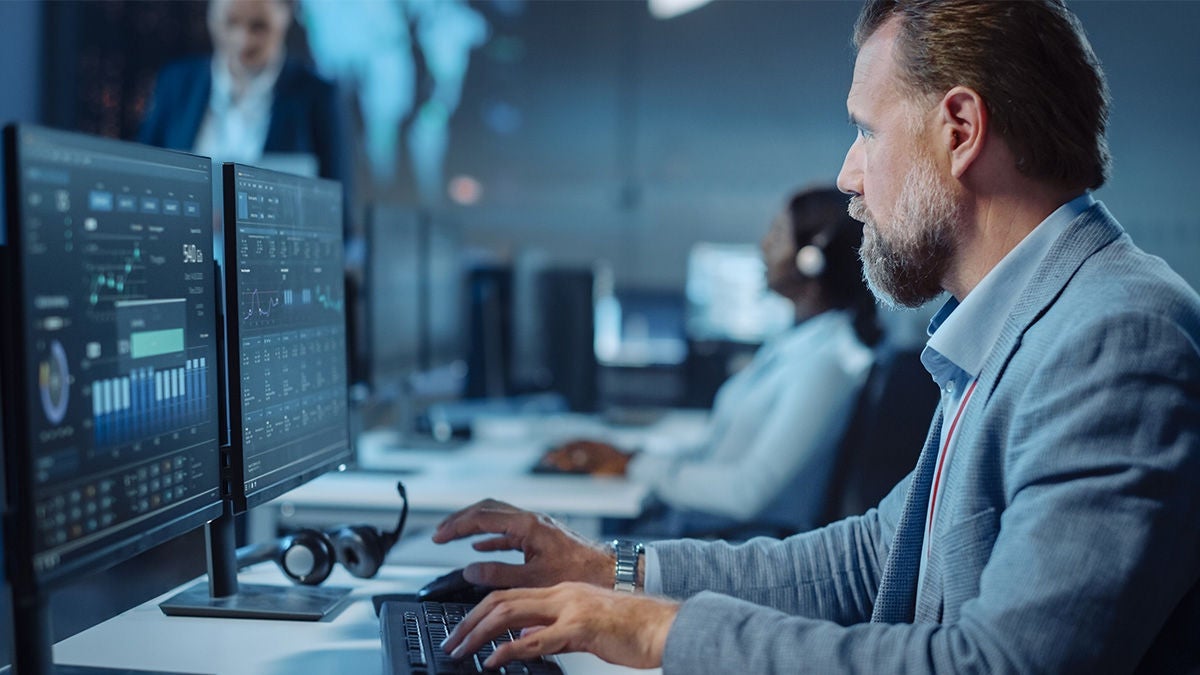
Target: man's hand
[(553, 553), (594, 457), (628, 630)]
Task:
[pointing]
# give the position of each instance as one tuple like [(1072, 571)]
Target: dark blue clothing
[(305, 115)]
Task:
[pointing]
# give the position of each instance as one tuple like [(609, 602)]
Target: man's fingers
[(449, 521), (530, 630), (532, 644), (457, 636), (501, 543), (497, 613), (488, 517), (566, 618)]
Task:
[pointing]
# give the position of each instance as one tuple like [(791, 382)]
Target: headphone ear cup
[(810, 261), (306, 557), (359, 549)]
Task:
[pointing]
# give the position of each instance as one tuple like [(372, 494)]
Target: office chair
[(886, 434)]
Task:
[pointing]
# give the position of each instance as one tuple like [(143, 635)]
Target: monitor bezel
[(21, 512), (234, 459)]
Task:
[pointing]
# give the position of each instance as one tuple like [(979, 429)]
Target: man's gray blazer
[(1068, 536)]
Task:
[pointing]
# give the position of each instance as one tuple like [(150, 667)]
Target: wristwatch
[(629, 558)]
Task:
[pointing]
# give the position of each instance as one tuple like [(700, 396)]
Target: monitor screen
[(286, 328), (529, 356), (639, 328), (446, 291), (110, 414), (393, 297), (728, 298)]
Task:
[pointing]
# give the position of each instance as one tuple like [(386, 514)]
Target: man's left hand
[(628, 630)]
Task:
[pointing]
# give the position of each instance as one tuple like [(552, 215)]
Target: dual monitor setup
[(147, 391)]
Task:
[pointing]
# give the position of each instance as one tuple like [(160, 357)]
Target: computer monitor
[(445, 288), (529, 359), (287, 339), (110, 361), (394, 305), (728, 298), (286, 365), (639, 328)]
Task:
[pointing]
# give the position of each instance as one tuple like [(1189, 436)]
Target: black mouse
[(452, 587)]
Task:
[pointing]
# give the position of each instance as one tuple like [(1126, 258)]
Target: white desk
[(346, 642), (441, 481)]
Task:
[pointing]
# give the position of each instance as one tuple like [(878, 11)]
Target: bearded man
[(1052, 523)]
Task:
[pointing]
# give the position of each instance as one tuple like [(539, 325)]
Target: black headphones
[(308, 556)]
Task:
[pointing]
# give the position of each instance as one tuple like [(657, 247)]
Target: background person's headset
[(308, 556), (810, 259)]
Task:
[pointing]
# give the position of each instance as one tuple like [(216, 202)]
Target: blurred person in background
[(776, 424), (249, 99)]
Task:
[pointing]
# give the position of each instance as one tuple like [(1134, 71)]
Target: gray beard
[(907, 268)]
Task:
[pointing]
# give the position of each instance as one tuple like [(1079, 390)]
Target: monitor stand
[(223, 597)]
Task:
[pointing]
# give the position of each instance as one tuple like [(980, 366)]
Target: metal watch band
[(629, 557)]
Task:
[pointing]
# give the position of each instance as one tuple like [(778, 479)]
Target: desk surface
[(438, 481), (447, 481), (346, 642), (496, 465)]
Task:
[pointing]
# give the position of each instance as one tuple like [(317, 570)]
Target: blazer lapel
[(896, 599)]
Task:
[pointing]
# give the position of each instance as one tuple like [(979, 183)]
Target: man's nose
[(850, 178)]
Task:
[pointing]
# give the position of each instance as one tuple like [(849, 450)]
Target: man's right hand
[(553, 553)]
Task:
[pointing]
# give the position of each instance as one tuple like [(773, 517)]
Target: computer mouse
[(452, 587)]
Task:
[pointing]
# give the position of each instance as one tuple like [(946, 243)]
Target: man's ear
[(964, 125)]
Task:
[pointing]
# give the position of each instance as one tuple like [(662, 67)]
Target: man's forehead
[(874, 65)]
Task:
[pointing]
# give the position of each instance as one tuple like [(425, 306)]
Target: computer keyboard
[(412, 633)]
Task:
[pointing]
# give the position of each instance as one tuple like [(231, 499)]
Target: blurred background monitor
[(638, 327), (110, 372), (415, 315), (530, 328), (393, 306), (728, 298), (444, 276), (640, 348), (529, 366)]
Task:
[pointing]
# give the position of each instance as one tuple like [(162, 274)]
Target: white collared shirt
[(775, 424), (235, 125)]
